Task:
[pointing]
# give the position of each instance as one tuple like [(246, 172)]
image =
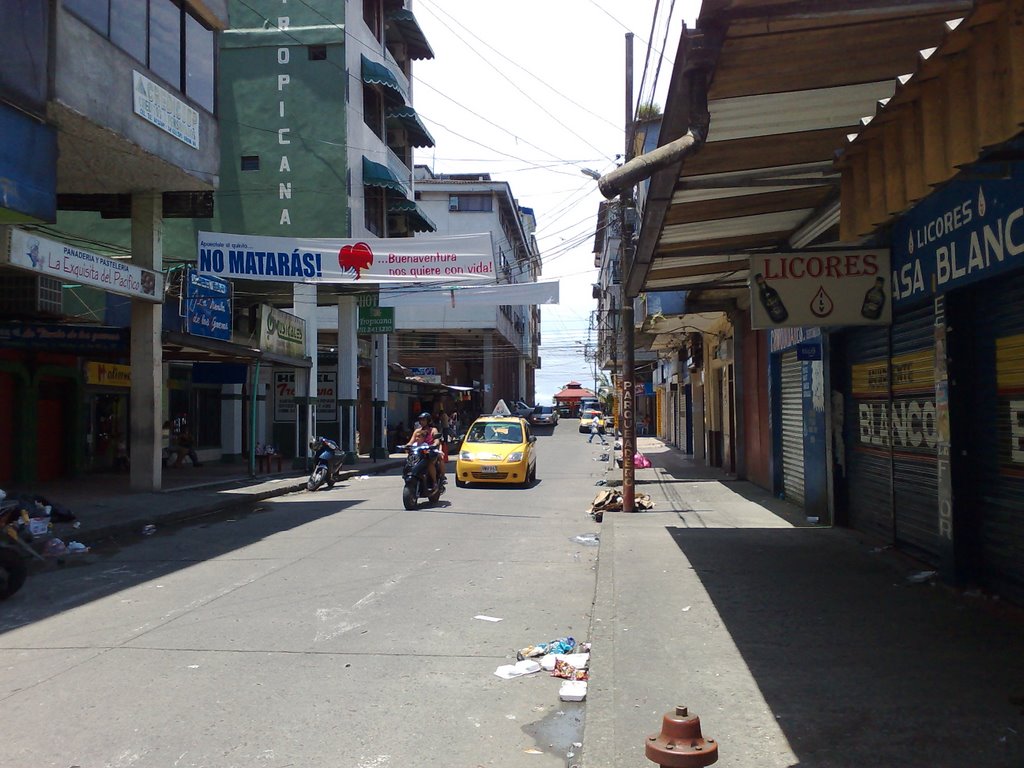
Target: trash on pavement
[(482, 617), (578, 660), (640, 461), (611, 501), (54, 548), (520, 668), (587, 539), (601, 482), (561, 645), (148, 530), (573, 690), (77, 548), (567, 671), (921, 577)]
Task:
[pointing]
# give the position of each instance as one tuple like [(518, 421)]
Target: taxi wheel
[(533, 475)]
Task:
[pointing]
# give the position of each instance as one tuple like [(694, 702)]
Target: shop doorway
[(108, 432)]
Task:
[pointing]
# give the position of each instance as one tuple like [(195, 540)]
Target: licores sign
[(820, 288)]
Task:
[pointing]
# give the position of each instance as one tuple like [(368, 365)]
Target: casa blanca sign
[(964, 233), (820, 289)]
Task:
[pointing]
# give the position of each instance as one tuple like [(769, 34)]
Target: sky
[(533, 93)]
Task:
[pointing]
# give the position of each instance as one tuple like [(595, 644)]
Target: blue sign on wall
[(207, 306), (966, 232)]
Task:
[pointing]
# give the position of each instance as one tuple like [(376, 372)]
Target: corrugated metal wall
[(891, 433), (993, 467), (792, 428)]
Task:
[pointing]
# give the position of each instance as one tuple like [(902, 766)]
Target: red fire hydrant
[(680, 743)]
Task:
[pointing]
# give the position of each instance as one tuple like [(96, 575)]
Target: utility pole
[(628, 352)]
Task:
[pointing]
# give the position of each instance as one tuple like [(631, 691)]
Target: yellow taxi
[(587, 416), (497, 449)]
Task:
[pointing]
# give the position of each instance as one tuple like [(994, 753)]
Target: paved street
[(327, 629)]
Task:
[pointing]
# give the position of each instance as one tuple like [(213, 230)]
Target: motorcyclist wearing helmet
[(426, 432)]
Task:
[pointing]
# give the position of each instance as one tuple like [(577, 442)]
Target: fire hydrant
[(680, 743)]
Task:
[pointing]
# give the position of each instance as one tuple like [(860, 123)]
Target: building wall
[(93, 78), (300, 188), (756, 411)]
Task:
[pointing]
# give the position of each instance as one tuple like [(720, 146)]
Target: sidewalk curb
[(599, 724), (212, 506)]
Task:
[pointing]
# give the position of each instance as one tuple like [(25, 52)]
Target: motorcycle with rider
[(424, 472)]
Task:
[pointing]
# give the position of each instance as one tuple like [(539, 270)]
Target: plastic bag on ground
[(520, 668)]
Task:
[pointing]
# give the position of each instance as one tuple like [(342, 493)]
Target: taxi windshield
[(495, 432)]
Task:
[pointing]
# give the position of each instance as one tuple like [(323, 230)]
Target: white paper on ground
[(573, 690), (577, 660), (520, 668), (486, 618)]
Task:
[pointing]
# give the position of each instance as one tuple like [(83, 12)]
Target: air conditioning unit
[(30, 294)]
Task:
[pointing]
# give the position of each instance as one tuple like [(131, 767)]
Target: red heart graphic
[(357, 257)]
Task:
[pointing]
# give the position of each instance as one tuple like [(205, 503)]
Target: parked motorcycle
[(328, 462), (417, 477)]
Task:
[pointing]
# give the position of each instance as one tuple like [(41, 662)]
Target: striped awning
[(418, 220), (418, 134), (404, 24), (375, 73), (378, 175)]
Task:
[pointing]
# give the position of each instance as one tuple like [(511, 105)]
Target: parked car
[(497, 449), (543, 415), (521, 409), (587, 416)]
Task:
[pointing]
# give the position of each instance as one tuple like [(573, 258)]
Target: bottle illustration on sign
[(821, 304), (770, 300), (874, 300)]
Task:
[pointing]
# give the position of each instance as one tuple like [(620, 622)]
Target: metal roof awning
[(785, 83), (403, 21), (417, 219), (378, 175), (183, 347), (406, 116), (375, 73)]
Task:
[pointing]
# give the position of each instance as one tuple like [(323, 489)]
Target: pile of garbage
[(563, 658), (610, 500), (28, 522)]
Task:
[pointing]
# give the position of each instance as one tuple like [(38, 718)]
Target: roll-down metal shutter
[(868, 463), (891, 438), (913, 433), (994, 440), (792, 429)]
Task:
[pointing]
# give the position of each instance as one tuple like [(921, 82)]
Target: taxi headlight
[(465, 456), (515, 456)]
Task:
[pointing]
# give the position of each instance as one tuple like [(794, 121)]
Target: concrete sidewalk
[(105, 507), (796, 645)]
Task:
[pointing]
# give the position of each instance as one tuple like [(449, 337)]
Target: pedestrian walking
[(595, 429), (445, 424)]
